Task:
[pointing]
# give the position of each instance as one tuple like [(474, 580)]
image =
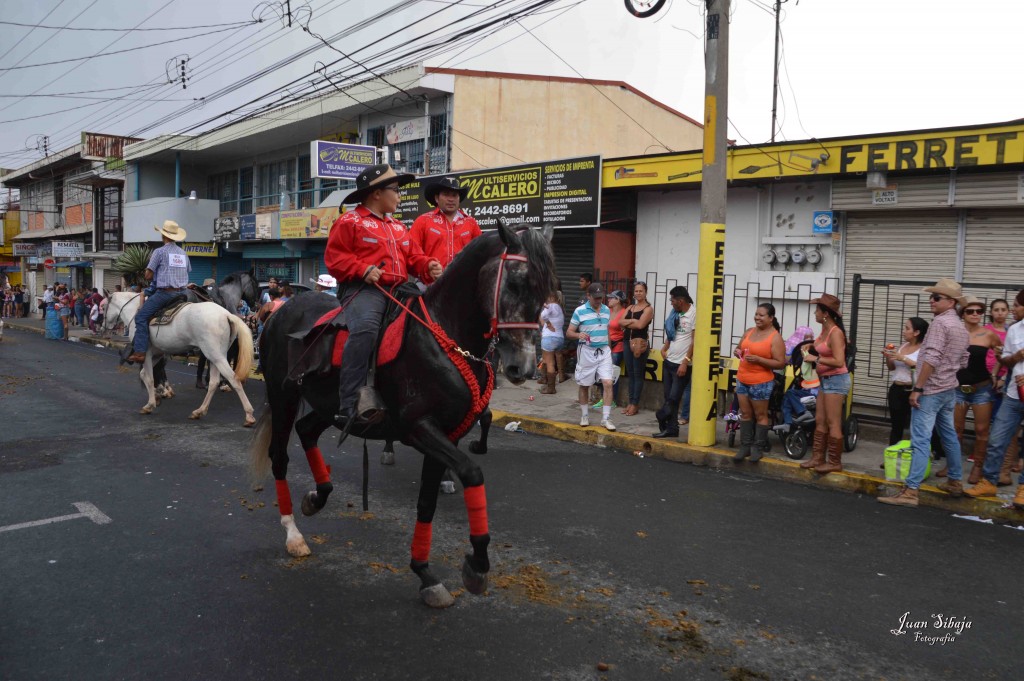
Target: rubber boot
[(549, 381), (1009, 461), (835, 457), (560, 364), (760, 442), (746, 440), (818, 452)]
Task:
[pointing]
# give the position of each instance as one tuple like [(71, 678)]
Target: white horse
[(206, 326)]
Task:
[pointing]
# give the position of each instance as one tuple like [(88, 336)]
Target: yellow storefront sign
[(995, 145), (310, 223), (195, 249)]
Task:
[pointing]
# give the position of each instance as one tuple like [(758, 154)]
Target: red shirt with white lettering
[(359, 239), (441, 238)]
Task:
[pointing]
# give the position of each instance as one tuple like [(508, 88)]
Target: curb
[(105, 342), (776, 469)]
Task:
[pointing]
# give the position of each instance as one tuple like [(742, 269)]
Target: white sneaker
[(585, 420), (608, 424)]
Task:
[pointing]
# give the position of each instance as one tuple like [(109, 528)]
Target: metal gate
[(878, 308)]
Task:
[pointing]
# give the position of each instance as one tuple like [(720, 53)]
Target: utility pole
[(705, 363), (775, 81)]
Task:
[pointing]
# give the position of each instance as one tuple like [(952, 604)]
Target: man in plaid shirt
[(943, 353), (168, 271)]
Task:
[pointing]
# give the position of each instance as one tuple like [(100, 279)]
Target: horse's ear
[(508, 236), (547, 231)]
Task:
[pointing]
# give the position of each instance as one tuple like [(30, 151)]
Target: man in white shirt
[(1011, 411), (676, 353), (47, 300)]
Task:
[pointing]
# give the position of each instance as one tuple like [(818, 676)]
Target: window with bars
[(328, 186), (224, 188), (306, 192), (375, 137), (245, 191), (109, 225), (275, 179)]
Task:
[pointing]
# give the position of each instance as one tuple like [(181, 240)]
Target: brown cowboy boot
[(1009, 461), (835, 457), (975, 477), (549, 387), (560, 365), (818, 452)]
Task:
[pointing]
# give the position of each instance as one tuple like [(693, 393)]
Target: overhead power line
[(129, 49), (129, 30), (11, 48)]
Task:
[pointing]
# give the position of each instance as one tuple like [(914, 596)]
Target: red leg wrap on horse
[(316, 464), (421, 541), (476, 506), (284, 497)]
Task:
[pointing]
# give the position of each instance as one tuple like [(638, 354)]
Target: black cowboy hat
[(435, 187), (376, 177)]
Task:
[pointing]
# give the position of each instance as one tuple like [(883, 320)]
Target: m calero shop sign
[(565, 193)]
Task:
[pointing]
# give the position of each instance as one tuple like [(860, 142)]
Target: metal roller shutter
[(229, 264), (202, 269), (111, 280), (574, 255), (917, 245), (994, 248)]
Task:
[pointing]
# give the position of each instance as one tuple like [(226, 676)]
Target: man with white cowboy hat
[(942, 354), (368, 248), (446, 230), (325, 283), (168, 271)]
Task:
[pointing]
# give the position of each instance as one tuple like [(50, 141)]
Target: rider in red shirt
[(445, 231), (367, 246)]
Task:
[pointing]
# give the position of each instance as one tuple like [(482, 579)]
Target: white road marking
[(85, 510)]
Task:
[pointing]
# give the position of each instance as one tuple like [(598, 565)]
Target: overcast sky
[(851, 66)]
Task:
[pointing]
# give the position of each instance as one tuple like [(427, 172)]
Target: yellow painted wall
[(537, 120), (12, 226)]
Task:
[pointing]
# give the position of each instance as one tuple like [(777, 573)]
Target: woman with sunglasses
[(976, 391), (635, 322)]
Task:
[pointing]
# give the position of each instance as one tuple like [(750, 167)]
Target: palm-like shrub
[(132, 263)]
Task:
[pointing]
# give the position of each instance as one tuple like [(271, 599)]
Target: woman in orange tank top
[(761, 352)]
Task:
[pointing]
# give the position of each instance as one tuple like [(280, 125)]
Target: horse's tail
[(243, 365), (259, 447)]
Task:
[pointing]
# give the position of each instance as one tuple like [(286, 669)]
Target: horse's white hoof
[(196, 415), (225, 388), (387, 458), (448, 487), (437, 596), (297, 548), (146, 410), (250, 421)]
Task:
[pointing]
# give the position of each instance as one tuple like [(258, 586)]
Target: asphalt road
[(658, 570)]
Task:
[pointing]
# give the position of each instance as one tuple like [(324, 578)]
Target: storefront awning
[(55, 232)]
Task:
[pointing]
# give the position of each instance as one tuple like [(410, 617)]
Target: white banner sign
[(68, 249), (415, 129)]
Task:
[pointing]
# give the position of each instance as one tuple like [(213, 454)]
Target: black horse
[(434, 388)]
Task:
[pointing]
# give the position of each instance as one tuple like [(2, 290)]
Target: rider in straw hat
[(168, 271), (368, 248), (445, 231)]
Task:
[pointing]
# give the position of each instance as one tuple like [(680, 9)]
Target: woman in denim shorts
[(830, 348), (552, 340), (976, 391), (760, 352)]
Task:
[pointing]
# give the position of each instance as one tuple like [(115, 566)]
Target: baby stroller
[(799, 437), (732, 417)]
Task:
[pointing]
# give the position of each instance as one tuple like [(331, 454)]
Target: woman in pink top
[(830, 349), (999, 310)]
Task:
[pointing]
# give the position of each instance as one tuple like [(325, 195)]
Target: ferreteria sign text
[(563, 193), (990, 146)]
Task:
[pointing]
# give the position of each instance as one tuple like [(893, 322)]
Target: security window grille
[(328, 186), (270, 178), (375, 137), (58, 195), (306, 191), (224, 188), (109, 225), (245, 191)]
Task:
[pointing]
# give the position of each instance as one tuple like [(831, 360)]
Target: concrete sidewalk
[(558, 416)]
